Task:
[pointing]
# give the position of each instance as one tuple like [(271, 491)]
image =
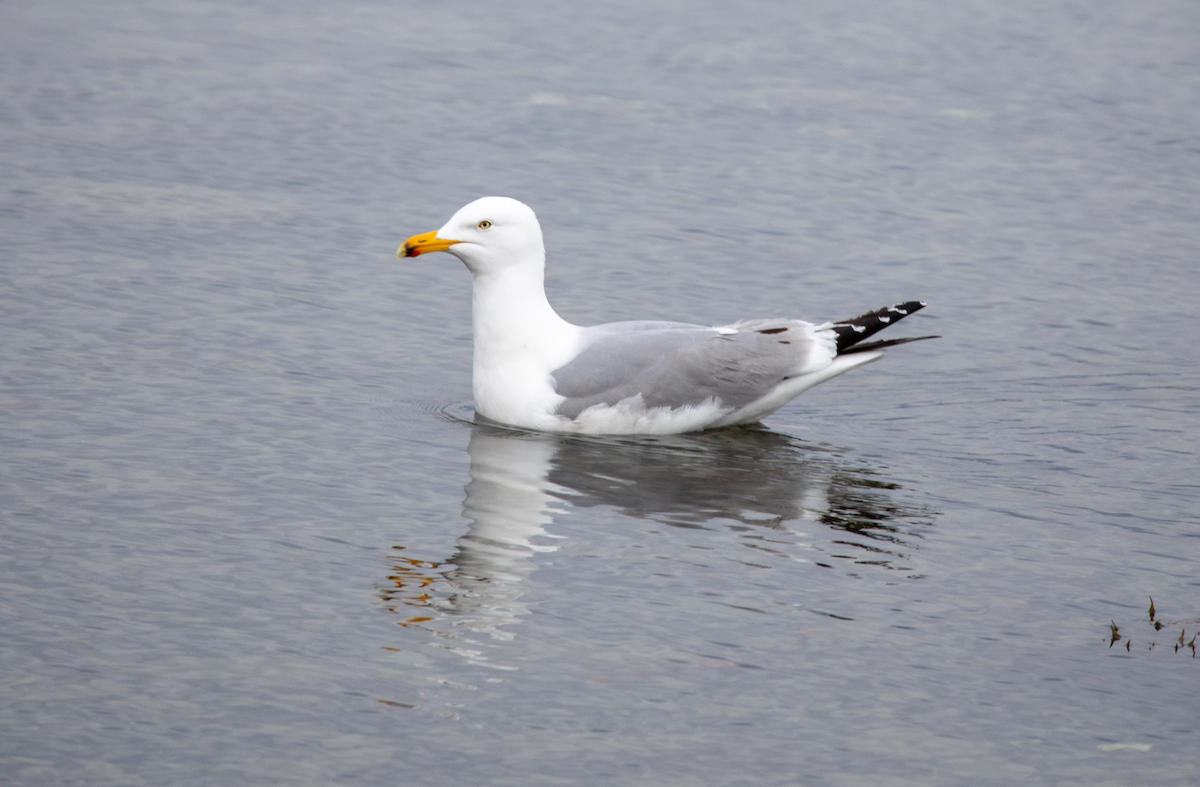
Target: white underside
[(631, 416)]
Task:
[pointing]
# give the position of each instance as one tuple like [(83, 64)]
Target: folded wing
[(675, 365)]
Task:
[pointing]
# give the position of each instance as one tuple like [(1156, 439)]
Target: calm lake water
[(251, 534)]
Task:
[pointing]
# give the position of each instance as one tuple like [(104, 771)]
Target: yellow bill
[(423, 244)]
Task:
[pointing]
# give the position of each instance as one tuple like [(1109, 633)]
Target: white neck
[(512, 316), (519, 340)]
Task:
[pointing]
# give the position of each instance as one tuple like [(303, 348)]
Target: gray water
[(250, 533)]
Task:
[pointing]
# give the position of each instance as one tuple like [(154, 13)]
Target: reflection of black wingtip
[(853, 331)]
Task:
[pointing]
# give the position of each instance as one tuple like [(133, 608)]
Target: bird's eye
[(485, 224)]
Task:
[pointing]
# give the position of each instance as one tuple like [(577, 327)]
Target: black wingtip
[(853, 331), (883, 344)]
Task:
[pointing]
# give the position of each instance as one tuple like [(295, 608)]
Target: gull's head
[(489, 234)]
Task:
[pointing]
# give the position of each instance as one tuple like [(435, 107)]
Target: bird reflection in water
[(760, 483)]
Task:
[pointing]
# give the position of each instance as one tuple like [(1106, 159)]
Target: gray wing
[(676, 364)]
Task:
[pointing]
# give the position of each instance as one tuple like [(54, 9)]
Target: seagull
[(534, 370)]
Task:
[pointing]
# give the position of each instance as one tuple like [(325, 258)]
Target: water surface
[(250, 532)]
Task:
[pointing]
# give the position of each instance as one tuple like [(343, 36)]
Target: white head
[(489, 235)]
